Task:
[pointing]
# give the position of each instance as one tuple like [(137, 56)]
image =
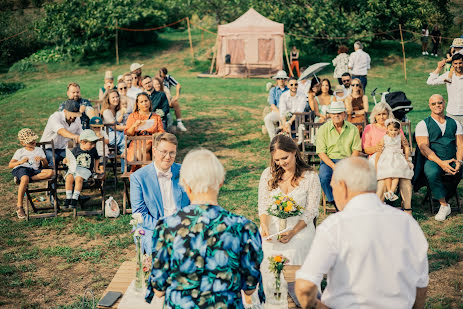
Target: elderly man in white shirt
[(359, 64), (375, 256), (454, 86), (291, 102)]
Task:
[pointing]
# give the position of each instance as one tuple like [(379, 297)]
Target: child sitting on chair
[(81, 161), (26, 164), (96, 125), (391, 163)]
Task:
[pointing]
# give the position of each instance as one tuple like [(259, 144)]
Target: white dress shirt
[(167, 194), (359, 61), (293, 104), (56, 122), (375, 256), (303, 89), (454, 91), (132, 96)]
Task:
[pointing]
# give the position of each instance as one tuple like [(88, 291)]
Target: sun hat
[(108, 75), (88, 135), (135, 66), (336, 108), (96, 121), (339, 88), (281, 74), (27, 136), (458, 42), (73, 107)]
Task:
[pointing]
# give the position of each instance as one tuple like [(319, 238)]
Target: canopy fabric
[(250, 45)]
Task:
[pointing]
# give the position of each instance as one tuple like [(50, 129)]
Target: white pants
[(272, 121)]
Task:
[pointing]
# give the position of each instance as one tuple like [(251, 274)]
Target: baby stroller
[(397, 101)]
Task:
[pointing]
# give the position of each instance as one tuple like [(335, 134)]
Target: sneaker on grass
[(444, 211)]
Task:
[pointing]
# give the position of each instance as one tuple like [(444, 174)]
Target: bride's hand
[(265, 232), (285, 237)]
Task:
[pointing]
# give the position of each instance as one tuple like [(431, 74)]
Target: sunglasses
[(355, 85), (281, 78), (435, 103), (345, 80), (122, 88), (292, 85)]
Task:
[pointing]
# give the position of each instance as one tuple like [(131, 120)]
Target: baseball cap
[(88, 135), (72, 107), (27, 136), (96, 121)]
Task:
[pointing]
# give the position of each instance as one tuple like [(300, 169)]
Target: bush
[(8, 88), (23, 66)]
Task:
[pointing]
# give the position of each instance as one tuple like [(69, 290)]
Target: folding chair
[(96, 181), (50, 189), (140, 158), (111, 157)]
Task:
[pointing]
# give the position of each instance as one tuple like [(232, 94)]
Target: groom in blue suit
[(155, 191)]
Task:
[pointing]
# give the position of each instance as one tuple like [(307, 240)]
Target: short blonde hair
[(164, 136), (202, 171), (379, 108)]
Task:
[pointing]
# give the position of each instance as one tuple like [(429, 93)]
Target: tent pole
[(189, 38), (287, 58)]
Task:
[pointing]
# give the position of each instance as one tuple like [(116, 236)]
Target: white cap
[(135, 66)]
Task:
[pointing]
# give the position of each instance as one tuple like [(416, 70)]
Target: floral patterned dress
[(204, 256)]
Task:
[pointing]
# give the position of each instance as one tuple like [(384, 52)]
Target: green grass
[(223, 115)]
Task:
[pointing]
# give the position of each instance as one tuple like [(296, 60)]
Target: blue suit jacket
[(146, 198)]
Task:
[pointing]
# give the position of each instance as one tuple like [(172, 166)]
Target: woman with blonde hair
[(111, 106)]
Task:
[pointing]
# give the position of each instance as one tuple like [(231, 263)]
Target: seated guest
[(62, 127), (158, 99), (108, 84), (155, 191), (371, 144), (203, 255), (96, 125), (336, 139), (314, 90), (356, 104), (323, 100), (339, 93), (272, 119), (304, 86), (135, 70), (168, 82), (346, 79), (374, 256), (131, 92), (137, 119), (85, 107), (440, 139), (111, 105), (290, 103)]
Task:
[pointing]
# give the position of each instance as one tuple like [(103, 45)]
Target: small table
[(126, 273)]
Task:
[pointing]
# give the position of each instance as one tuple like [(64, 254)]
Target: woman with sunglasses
[(357, 105)]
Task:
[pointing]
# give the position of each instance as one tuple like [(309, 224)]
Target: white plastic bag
[(111, 209)]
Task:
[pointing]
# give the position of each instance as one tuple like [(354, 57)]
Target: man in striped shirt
[(169, 82)]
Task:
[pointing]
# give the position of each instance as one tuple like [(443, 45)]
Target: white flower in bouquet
[(159, 112), (137, 217)]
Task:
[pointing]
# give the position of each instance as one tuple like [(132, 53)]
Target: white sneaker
[(423, 53), (435, 55), (444, 211), (432, 54), (181, 126), (427, 53)]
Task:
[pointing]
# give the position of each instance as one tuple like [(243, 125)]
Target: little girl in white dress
[(392, 162)]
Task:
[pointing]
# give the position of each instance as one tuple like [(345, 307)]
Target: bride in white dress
[(288, 175)]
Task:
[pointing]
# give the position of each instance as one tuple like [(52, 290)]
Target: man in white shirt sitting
[(359, 64), (291, 102), (375, 256)]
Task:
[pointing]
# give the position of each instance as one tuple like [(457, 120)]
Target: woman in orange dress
[(138, 118)]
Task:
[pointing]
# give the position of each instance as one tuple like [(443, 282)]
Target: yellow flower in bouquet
[(284, 207)]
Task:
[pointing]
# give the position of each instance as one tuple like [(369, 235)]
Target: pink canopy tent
[(253, 45)]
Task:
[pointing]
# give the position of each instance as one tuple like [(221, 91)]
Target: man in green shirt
[(336, 139)]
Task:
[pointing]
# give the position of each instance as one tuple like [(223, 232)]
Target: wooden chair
[(407, 128), (50, 189), (308, 142), (140, 158), (96, 181), (111, 157)]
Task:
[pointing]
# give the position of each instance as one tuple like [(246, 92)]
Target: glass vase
[(277, 291), (139, 276), (281, 226)]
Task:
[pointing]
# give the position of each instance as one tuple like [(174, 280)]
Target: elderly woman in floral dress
[(204, 255)]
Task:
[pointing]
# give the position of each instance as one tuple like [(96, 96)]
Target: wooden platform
[(126, 273)]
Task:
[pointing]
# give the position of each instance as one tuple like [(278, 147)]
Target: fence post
[(117, 45), (403, 52), (189, 37)]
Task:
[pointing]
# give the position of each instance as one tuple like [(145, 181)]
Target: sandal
[(392, 196), (20, 212)]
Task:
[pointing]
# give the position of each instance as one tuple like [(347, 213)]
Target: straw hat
[(27, 136), (108, 75), (281, 75), (336, 108), (458, 42), (135, 66)]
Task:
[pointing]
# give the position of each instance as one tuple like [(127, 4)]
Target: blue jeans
[(325, 173), (60, 154), (363, 80)]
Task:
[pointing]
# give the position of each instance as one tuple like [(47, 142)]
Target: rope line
[(339, 37), (198, 26), (409, 31), (14, 35), (152, 29)]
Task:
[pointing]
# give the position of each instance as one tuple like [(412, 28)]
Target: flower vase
[(139, 276), (281, 226), (277, 292)]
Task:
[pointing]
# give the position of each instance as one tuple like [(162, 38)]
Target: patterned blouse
[(203, 257)]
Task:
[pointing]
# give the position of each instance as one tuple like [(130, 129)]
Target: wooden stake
[(216, 46), (287, 58), (117, 46), (189, 37), (403, 52)]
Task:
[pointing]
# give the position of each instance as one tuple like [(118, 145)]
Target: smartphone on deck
[(109, 299)]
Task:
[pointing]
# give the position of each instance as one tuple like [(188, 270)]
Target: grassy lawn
[(49, 263)]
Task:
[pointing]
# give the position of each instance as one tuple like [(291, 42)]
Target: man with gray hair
[(375, 256), (359, 64)]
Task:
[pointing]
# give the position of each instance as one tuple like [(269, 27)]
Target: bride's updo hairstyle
[(285, 143)]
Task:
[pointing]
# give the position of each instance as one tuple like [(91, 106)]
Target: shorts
[(85, 173), (424, 39), (21, 171)]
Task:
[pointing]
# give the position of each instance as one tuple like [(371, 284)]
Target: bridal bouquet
[(284, 207), (277, 263)]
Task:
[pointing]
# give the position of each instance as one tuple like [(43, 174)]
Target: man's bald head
[(436, 97)]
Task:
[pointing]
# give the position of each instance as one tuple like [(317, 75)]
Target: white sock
[(68, 194), (179, 120), (75, 195)]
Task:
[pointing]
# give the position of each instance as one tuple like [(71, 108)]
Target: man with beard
[(158, 99), (85, 107)]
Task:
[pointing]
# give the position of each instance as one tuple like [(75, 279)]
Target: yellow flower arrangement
[(284, 207)]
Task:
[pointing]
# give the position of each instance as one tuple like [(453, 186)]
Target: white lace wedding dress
[(306, 194)]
